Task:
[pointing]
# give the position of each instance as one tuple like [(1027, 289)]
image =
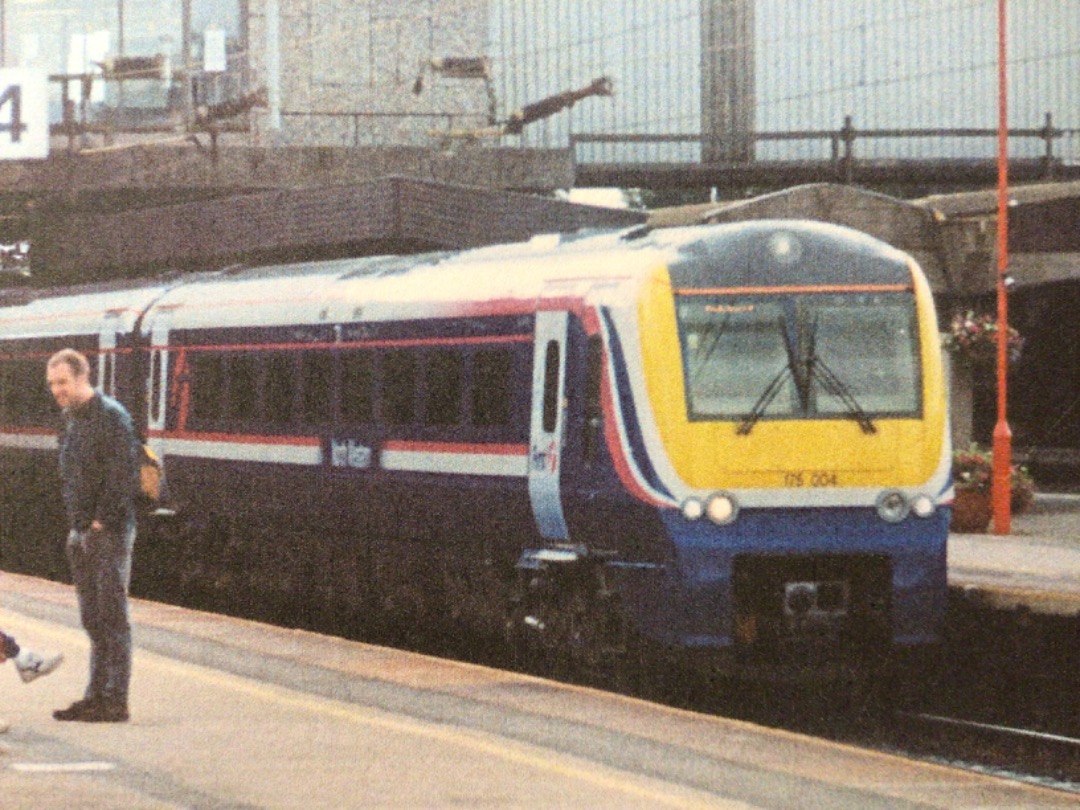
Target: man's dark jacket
[(99, 469)]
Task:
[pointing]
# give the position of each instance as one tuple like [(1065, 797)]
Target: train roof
[(605, 266), (507, 279), (28, 313)]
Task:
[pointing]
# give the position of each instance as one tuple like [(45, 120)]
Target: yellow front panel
[(787, 453)]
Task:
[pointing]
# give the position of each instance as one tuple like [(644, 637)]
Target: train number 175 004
[(811, 478)]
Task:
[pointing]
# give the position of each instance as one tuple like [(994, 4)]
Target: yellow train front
[(776, 391)]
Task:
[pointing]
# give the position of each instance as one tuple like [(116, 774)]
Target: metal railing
[(840, 148)]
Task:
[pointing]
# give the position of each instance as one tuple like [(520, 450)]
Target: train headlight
[(922, 506), (892, 506), (721, 508), (693, 508)]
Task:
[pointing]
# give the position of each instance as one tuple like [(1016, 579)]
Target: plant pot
[(1021, 500), (971, 511)]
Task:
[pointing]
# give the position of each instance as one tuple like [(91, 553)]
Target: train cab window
[(316, 383), (812, 356), (279, 388), (445, 371), (398, 406), (243, 383), (871, 344), (491, 388), (357, 386)]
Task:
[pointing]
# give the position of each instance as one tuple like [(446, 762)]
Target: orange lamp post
[(1001, 484)]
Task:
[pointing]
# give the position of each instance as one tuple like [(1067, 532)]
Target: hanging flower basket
[(975, 337)]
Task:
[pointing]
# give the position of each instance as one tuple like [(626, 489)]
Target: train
[(728, 443)]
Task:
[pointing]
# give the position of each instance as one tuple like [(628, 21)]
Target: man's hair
[(76, 361)]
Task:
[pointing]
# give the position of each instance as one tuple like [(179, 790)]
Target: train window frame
[(797, 327)]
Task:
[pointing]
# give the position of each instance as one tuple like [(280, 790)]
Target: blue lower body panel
[(823, 576)]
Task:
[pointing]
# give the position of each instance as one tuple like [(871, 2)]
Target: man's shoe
[(31, 665), (93, 711), (76, 711), (108, 713)]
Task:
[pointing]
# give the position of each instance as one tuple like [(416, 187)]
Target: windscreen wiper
[(773, 388), (767, 396), (713, 333), (817, 370)]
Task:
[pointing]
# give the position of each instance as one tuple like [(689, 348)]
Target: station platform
[(1036, 566), (233, 714)]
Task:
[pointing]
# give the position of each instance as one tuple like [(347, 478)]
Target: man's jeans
[(101, 569)]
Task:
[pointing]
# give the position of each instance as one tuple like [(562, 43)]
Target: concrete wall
[(348, 69)]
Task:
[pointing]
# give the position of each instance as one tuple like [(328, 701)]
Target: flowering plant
[(973, 469), (976, 336)]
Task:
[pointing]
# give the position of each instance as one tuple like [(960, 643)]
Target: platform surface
[(233, 714), (1037, 565)]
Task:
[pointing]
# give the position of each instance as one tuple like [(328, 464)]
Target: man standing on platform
[(99, 475)]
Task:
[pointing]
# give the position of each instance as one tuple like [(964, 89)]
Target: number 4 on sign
[(24, 114), (12, 97)]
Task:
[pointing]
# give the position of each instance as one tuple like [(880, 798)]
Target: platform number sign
[(24, 114)]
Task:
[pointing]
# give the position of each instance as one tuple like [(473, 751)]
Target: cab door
[(157, 383), (548, 424)]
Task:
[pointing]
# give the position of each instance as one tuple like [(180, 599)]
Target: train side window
[(551, 386), (243, 383), (207, 373), (594, 367), (445, 372), (316, 384), (27, 400), (280, 387), (491, 389), (357, 385), (398, 406)]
